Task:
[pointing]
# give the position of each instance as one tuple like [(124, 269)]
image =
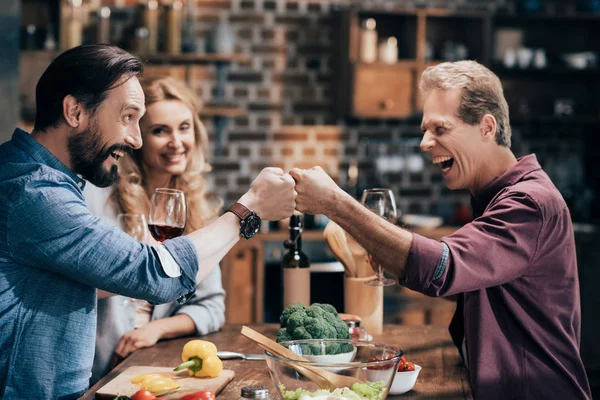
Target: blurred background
[(298, 83)]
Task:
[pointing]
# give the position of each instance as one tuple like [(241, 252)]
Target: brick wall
[(286, 89)]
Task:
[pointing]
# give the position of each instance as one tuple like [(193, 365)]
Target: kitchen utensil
[(121, 384), (360, 258), (336, 239), (323, 378), (232, 355)]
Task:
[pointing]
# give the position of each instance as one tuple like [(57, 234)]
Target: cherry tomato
[(143, 394), (204, 395)]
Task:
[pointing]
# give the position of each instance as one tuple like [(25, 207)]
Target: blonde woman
[(174, 155)]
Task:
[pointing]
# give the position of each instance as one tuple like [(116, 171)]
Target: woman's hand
[(144, 336)]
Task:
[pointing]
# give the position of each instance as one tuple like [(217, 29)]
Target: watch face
[(250, 226)]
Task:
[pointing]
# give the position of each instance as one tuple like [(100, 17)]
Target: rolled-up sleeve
[(493, 249), (52, 229)]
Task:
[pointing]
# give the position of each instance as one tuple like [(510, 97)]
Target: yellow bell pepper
[(200, 358), (155, 383)]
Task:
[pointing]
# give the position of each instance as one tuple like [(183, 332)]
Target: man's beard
[(88, 155)]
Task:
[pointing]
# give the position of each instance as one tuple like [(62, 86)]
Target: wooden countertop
[(430, 346)]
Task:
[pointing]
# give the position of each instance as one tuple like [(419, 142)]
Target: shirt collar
[(524, 166), (25, 142)]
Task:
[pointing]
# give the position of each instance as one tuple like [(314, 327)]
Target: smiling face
[(108, 134), (458, 148), (169, 139)]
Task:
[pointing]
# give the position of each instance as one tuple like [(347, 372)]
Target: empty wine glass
[(134, 225), (382, 203), (168, 212)]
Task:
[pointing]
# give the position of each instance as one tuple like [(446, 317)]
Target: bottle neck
[(295, 239)]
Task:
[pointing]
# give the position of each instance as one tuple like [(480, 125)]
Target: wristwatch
[(249, 220)]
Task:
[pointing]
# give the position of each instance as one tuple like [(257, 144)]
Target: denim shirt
[(53, 255)]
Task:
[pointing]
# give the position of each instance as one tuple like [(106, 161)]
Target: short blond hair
[(481, 93)]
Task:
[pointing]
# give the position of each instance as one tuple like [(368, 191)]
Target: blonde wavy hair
[(481, 93), (129, 194)]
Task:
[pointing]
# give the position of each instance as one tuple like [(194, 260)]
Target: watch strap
[(240, 210)]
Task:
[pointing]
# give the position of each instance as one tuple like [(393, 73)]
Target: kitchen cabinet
[(381, 90), (550, 68)]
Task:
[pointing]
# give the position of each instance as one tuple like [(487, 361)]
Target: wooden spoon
[(336, 239), (323, 378)]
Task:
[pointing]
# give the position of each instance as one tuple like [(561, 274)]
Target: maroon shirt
[(516, 270)]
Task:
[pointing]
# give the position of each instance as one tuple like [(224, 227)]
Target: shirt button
[(80, 184)]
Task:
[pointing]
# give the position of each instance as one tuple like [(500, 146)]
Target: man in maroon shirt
[(517, 323)]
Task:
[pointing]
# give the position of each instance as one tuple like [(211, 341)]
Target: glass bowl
[(358, 359)]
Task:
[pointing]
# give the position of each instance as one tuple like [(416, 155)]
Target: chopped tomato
[(382, 365), (404, 365), (204, 395), (143, 394)]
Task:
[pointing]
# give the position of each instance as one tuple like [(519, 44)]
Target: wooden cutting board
[(122, 385)]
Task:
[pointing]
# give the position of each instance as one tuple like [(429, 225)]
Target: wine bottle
[(296, 267)]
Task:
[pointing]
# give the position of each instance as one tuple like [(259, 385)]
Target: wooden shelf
[(551, 119), (193, 58), (402, 63), (542, 17), (164, 58), (542, 72), (212, 111)]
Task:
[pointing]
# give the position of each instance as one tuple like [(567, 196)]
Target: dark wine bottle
[(296, 267)]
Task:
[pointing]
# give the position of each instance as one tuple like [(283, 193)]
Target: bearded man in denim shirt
[(54, 253)]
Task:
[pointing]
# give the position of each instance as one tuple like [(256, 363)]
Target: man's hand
[(317, 192), (271, 195), (144, 336)]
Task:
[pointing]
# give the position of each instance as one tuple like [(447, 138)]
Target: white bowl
[(404, 381), (341, 358)]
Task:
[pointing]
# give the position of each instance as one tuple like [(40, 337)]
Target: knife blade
[(232, 355)]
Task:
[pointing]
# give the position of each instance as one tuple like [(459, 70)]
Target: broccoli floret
[(301, 333), (283, 335), (319, 321), (328, 308), (289, 311), (339, 326), (333, 348), (296, 319)]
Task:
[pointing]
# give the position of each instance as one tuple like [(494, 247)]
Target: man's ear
[(488, 126), (73, 111)]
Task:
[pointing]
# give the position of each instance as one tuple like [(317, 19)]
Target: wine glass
[(134, 225), (167, 215), (382, 203)]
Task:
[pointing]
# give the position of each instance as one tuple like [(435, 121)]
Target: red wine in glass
[(168, 212), (163, 232)]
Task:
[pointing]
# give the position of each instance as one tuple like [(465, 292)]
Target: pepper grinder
[(173, 21)]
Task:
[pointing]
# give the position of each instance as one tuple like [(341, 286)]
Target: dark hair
[(85, 72)]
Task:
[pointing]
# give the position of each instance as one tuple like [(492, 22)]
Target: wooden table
[(430, 346)]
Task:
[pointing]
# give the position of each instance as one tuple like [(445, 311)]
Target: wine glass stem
[(380, 272)]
